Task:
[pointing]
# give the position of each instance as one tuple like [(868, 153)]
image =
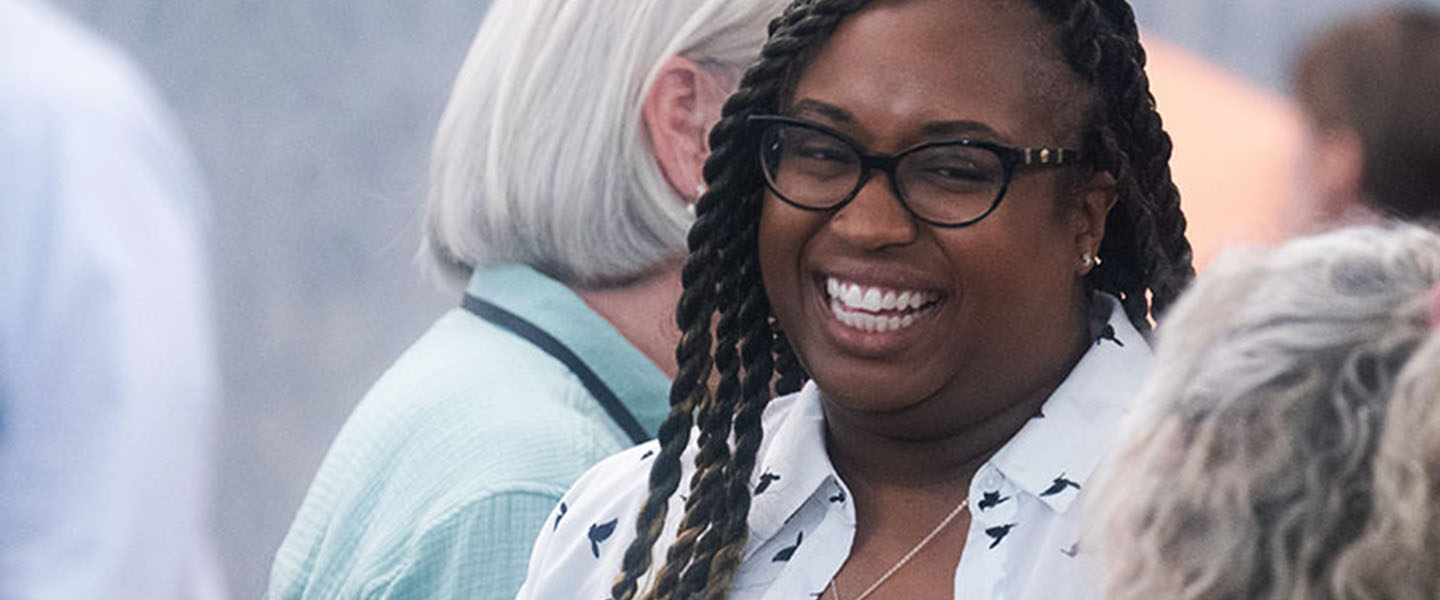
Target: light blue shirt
[(444, 474), (108, 381)]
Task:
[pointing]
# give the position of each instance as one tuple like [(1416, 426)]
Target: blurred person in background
[(1250, 468), (561, 174), (1369, 90), (108, 379), (1235, 147)]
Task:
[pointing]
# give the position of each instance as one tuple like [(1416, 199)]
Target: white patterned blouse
[(1023, 541)]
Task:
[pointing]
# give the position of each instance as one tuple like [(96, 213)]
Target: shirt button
[(990, 480)]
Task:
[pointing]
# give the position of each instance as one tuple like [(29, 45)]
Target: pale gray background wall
[(311, 120)]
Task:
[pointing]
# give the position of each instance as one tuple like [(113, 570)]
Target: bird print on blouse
[(992, 500), (998, 533), (765, 480), (785, 553), (1060, 485), (600, 533), (838, 497), (559, 514), (1108, 334), (1072, 550), (647, 454)]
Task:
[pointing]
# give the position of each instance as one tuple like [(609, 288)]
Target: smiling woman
[(956, 217)]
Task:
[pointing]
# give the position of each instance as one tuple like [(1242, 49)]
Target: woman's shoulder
[(581, 545), (581, 548)]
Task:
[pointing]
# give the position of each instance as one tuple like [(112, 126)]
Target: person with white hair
[(561, 176), (1268, 442)]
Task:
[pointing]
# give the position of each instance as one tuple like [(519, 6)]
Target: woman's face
[(1001, 307)]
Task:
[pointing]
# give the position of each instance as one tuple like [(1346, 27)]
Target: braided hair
[(1145, 262)]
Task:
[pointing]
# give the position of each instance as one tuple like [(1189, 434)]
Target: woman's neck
[(643, 311), (867, 457), (940, 442)]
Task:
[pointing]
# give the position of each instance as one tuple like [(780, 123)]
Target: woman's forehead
[(926, 61)]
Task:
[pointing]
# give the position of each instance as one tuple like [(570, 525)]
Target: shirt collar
[(554, 308), (792, 463), (1053, 455)]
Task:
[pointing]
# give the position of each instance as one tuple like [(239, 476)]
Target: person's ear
[(1338, 171), (1096, 196), (679, 110)]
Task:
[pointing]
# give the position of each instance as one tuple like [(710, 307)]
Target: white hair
[(1250, 461), (542, 157)]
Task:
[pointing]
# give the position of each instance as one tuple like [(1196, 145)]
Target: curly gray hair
[(1250, 465), (1396, 558)]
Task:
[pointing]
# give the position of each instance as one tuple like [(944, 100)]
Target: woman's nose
[(875, 218)]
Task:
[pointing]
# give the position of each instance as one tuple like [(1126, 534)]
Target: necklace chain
[(835, 585)]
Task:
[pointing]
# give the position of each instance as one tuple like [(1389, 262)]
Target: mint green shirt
[(446, 471)]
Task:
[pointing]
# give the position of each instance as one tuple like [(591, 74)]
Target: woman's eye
[(959, 173), (825, 153)]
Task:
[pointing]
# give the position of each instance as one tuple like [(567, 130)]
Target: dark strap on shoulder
[(510, 321)]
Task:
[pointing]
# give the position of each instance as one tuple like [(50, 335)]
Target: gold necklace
[(835, 585)]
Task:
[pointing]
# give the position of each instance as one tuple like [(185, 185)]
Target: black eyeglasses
[(946, 184)]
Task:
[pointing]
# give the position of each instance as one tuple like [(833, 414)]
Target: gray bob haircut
[(542, 157), (1249, 465)]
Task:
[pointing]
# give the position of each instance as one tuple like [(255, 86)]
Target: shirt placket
[(994, 509)]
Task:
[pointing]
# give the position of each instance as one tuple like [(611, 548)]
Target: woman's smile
[(871, 317)]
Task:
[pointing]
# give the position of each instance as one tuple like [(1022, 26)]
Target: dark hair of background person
[(1145, 262), (1380, 77)]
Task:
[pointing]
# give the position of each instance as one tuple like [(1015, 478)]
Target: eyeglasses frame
[(1011, 159)]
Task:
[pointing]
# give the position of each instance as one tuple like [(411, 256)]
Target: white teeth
[(854, 305), (875, 299), (872, 299)]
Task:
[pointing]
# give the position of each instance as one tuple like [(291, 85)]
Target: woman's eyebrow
[(974, 129), (830, 112)]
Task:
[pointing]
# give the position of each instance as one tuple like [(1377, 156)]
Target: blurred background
[(311, 122)]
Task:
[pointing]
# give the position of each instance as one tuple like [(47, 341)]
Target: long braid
[(697, 572), (758, 353), (704, 503), (689, 390)]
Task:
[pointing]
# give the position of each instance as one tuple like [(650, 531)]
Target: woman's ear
[(1095, 197), (681, 107)]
